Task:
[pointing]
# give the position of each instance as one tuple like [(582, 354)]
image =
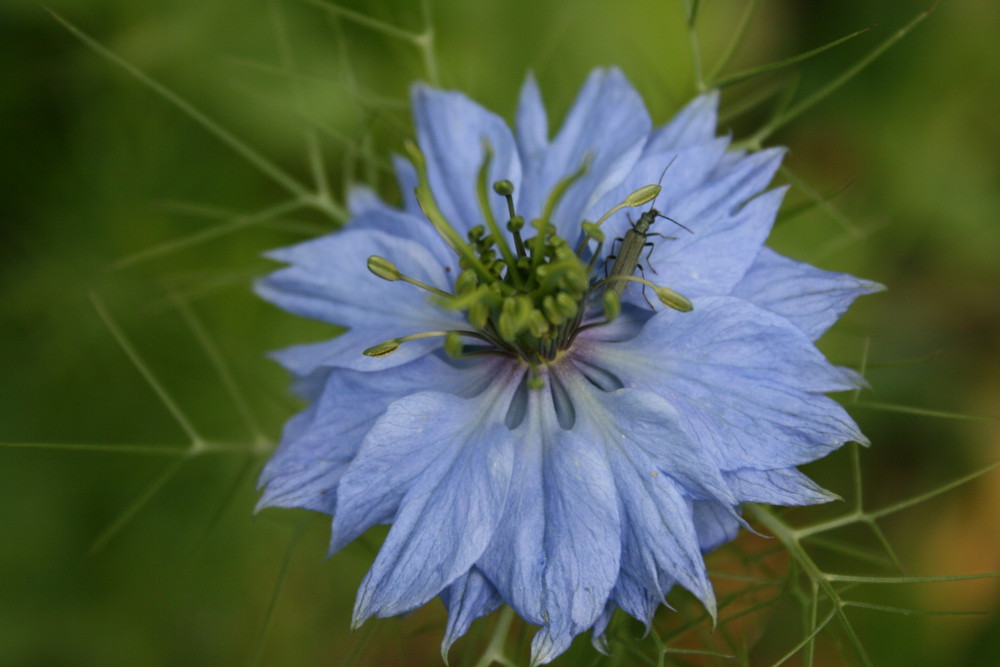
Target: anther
[(388, 347), (383, 268)]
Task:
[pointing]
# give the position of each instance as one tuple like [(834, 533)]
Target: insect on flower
[(534, 434), (627, 256)]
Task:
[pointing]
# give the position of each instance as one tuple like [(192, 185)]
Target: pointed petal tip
[(545, 647), (362, 611), (871, 287), (705, 593), (600, 644), (831, 496), (261, 504), (711, 606), (337, 542), (419, 88)]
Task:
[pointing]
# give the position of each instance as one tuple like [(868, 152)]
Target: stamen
[(667, 296), (386, 270), (388, 347), (643, 195)]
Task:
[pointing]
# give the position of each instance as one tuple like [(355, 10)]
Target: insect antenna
[(667, 217), (659, 183), (652, 206)]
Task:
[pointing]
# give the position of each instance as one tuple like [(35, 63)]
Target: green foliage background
[(147, 557)]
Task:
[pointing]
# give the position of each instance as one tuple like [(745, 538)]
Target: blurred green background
[(113, 200)]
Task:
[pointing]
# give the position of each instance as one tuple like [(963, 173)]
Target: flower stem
[(494, 650)]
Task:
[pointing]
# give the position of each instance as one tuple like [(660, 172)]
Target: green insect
[(626, 259)]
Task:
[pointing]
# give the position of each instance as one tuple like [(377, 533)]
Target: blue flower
[(536, 432)]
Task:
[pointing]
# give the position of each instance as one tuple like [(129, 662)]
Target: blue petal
[(329, 280), (715, 522), (655, 465), (689, 169), (515, 559), (532, 124), (706, 194), (785, 486), (467, 598), (738, 178), (346, 351), (639, 597), (451, 130), (439, 466), (748, 384), (361, 198), (319, 444), (290, 477), (379, 216), (406, 176), (694, 124), (729, 231), (811, 298), (597, 639), (607, 123), (372, 490), (555, 554)]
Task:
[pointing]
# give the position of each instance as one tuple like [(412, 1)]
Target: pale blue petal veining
[(811, 298)]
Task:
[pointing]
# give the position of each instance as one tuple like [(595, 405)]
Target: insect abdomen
[(627, 260)]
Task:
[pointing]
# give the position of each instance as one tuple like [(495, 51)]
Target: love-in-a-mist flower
[(539, 426)]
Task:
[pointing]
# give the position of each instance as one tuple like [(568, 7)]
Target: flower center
[(523, 298)]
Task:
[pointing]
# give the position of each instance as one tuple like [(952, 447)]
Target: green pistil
[(497, 238), (430, 208)]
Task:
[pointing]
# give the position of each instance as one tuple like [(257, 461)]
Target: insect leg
[(651, 246), (643, 272), (612, 256)]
